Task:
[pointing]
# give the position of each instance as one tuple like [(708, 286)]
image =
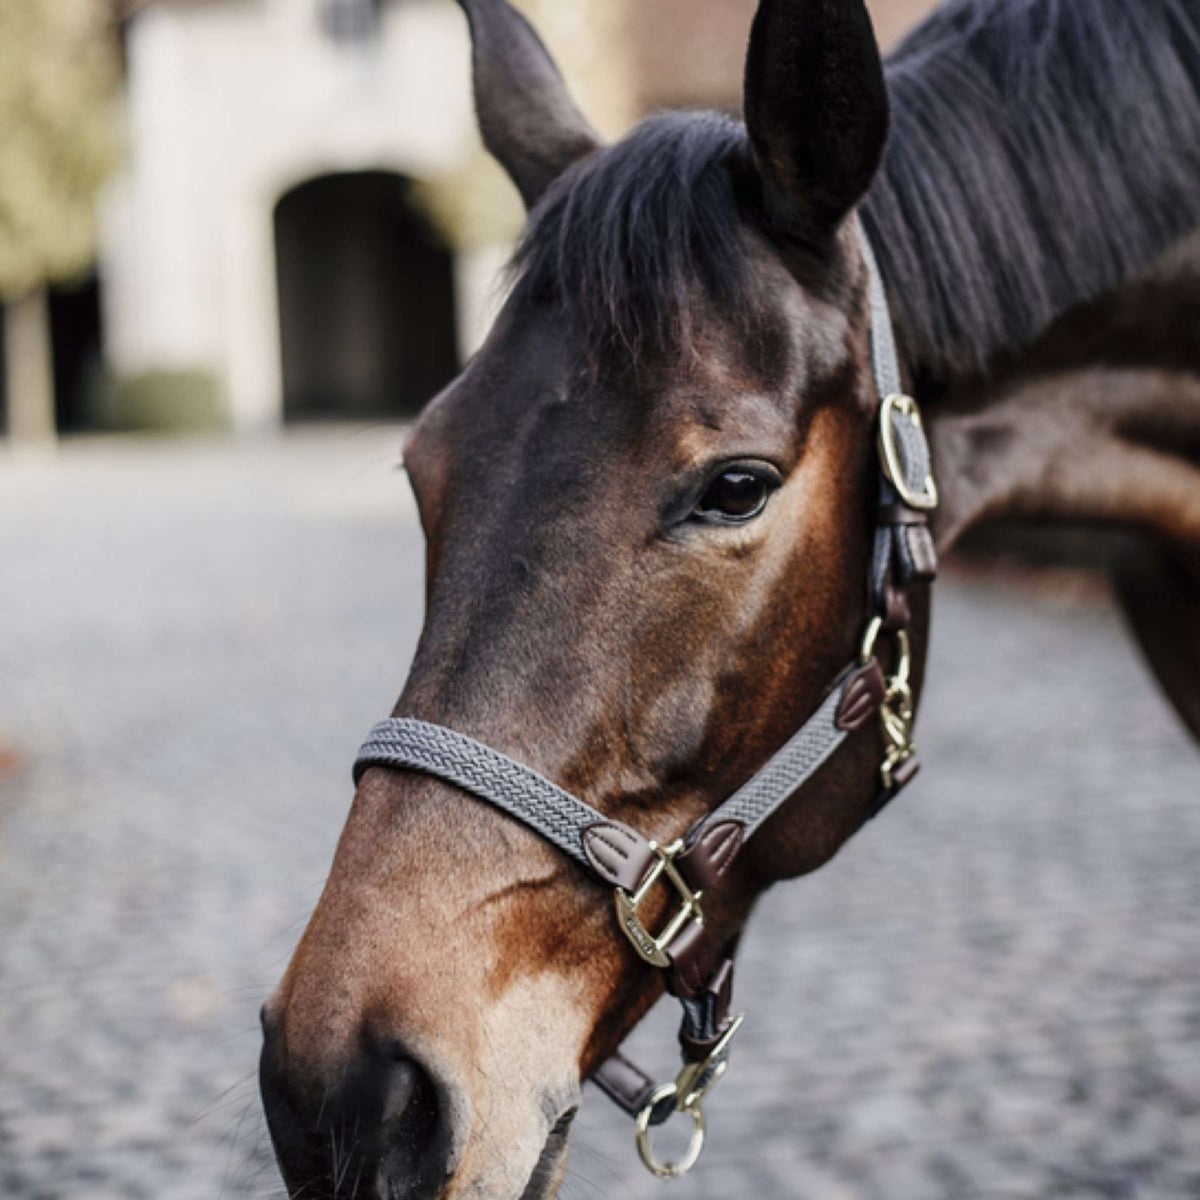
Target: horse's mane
[(1041, 152)]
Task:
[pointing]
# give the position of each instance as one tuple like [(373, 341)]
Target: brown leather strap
[(718, 994), (709, 857), (624, 1083)]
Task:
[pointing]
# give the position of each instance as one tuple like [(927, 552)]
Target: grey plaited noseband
[(698, 971)]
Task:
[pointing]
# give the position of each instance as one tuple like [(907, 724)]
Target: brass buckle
[(653, 948), (889, 452), (896, 713), (687, 1090)]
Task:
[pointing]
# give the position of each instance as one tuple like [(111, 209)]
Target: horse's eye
[(735, 495)]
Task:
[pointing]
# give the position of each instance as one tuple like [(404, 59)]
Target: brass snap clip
[(896, 713), (687, 1091), (653, 947)]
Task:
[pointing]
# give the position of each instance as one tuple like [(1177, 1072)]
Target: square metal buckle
[(653, 947), (905, 408)]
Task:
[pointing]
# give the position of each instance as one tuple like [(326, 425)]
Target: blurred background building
[(240, 213)]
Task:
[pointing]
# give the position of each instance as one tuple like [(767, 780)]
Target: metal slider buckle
[(687, 1091), (902, 407), (653, 947)]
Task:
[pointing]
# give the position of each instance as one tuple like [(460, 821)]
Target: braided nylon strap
[(791, 767), (455, 758), (562, 818), (884, 359)]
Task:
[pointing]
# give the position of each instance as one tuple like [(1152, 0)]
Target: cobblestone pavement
[(994, 992)]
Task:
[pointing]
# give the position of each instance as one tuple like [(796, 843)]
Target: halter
[(698, 971)]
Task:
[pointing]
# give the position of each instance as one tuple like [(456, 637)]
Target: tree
[(58, 78)]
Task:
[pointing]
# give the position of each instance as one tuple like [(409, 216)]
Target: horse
[(652, 497)]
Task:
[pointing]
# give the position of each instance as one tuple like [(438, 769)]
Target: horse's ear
[(816, 110), (526, 115)]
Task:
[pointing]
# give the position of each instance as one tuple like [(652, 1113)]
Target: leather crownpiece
[(617, 853), (704, 862), (862, 698)]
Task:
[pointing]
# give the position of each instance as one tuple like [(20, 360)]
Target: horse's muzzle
[(380, 1130)]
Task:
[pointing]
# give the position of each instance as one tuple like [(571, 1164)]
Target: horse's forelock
[(626, 242)]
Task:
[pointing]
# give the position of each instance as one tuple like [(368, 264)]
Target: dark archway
[(72, 313), (75, 338), (366, 299)]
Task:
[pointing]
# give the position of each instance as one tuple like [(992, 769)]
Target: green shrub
[(161, 401)]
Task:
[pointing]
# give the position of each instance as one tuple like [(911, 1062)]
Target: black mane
[(1042, 151)]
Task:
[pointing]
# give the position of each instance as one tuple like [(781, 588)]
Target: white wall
[(229, 106)]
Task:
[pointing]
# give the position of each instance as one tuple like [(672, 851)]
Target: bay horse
[(652, 498)]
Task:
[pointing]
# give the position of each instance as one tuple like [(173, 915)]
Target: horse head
[(648, 503)]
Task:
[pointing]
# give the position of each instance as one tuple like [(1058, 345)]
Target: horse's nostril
[(415, 1147), (383, 1117)]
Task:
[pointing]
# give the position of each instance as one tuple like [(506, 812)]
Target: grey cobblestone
[(993, 992)]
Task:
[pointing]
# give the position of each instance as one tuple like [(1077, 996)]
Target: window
[(349, 21)]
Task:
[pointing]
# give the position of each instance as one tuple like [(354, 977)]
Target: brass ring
[(691, 1155)]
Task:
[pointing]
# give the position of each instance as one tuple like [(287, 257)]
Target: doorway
[(366, 299)]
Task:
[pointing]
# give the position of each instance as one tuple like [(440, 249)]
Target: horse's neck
[(1099, 422)]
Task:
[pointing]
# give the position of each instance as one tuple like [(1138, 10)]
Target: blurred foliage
[(160, 402), (58, 141), (477, 205)]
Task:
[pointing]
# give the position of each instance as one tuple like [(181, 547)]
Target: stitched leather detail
[(617, 854), (861, 698), (704, 862)]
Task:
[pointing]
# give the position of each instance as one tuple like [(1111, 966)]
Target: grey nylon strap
[(787, 771), (562, 818), (517, 789), (884, 359)]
